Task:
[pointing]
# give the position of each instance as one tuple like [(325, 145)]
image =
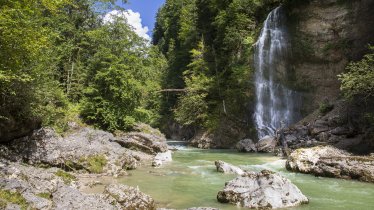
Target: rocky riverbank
[(48, 171), (28, 187), (341, 124)]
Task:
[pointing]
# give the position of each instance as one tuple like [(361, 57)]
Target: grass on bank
[(7, 196)]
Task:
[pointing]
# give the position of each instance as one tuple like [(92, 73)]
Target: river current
[(191, 180)]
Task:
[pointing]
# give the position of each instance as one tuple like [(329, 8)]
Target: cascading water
[(275, 102)]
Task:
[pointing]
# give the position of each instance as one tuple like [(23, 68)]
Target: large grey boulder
[(227, 168), (329, 161), (267, 144), (130, 197), (84, 149), (246, 145), (264, 190), (145, 139), (30, 183)]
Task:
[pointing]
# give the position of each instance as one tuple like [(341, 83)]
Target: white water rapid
[(274, 101)]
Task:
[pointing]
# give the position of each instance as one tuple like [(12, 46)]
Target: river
[(191, 180)]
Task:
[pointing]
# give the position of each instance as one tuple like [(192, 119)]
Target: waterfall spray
[(274, 101)]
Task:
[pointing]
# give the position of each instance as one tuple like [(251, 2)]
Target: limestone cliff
[(326, 35)]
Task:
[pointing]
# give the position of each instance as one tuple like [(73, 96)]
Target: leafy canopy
[(359, 79)]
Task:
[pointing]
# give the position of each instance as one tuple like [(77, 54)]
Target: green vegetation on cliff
[(208, 46), (359, 78)]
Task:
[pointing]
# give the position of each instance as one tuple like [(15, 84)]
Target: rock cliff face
[(346, 126), (228, 133), (325, 36), (11, 128)]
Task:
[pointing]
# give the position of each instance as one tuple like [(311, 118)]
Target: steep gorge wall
[(326, 35)]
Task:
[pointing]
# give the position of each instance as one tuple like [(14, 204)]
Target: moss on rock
[(45, 195), (66, 177), (7, 196), (96, 163)]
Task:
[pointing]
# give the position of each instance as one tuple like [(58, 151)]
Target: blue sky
[(147, 10)]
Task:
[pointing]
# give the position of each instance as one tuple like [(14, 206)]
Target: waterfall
[(274, 101)]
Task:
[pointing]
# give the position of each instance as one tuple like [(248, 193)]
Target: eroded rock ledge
[(52, 188), (85, 150), (46, 170), (329, 161)]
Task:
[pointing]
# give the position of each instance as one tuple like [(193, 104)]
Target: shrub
[(359, 80)]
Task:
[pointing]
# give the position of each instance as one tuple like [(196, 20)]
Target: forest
[(273, 86), (61, 61)]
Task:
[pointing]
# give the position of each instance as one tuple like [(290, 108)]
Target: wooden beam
[(174, 90)]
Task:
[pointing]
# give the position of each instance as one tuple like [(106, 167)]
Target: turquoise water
[(191, 180)]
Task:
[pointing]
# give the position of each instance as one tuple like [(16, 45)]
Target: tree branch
[(174, 90)]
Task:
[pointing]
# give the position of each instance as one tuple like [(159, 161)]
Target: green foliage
[(192, 107), (58, 58), (96, 163), (208, 45), (175, 35), (123, 78), (66, 177), (7, 196), (338, 45), (25, 62), (325, 107), (359, 79), (46, 195), (302, 47)]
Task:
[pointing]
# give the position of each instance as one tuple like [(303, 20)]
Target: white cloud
[(133, 19)]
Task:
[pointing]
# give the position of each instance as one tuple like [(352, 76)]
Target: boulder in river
[(329, 161), (264, 190), (145, 139), (162, 158), (246, 145), (267, 144), (228, 168)]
